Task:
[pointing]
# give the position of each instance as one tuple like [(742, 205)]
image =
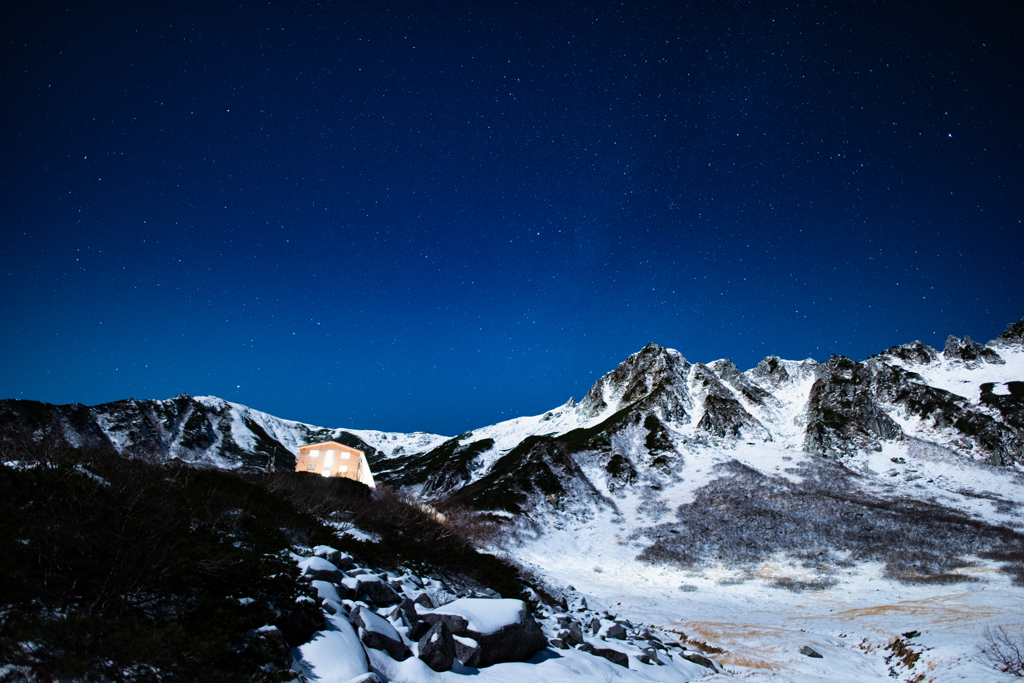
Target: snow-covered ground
[(761, 627)]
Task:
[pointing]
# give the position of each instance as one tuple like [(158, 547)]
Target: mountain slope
[(202, 430)]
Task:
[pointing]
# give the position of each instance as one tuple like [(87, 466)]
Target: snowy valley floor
[(760, 627)]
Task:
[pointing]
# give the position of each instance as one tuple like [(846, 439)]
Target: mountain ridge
[(641, 416)]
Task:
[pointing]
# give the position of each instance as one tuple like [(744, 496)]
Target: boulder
[(572, 633), (320, 569), (699, 659), (808, 651), (423, 600), (613, 656), (503, 629), (299, 625), (377, 632), (467, 650), (407, 610), (378, 592), (437, 647), (278, 645), (617, 631)]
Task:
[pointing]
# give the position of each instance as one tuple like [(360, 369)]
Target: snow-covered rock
[(504, 630)]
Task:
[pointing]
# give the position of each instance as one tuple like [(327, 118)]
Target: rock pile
[(361, 611)]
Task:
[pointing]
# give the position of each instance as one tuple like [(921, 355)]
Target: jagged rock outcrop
[(914, 353), (652, 371), (1013, 336), (842, 413), (970, 352), (728, 372), (723, 416)]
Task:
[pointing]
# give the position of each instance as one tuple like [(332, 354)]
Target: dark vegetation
[(125, 570), (426, 541), (745, 517), (133, 569)]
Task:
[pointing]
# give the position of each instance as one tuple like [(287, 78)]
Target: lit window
[(343, 468), (344, 455), (315, 453)]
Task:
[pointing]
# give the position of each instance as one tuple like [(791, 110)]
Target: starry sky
[(433, 216)]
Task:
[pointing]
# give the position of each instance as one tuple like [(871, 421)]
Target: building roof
[(330, 443)]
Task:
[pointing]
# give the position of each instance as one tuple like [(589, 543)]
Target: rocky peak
[(970, 352), (771, 369), (1013, 336), (638, 376), (915, 353)]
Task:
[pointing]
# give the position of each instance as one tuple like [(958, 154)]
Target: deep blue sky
[(434, 216)]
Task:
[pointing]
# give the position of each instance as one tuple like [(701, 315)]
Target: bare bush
[(1003, 651), (798, 586), (746, 517)]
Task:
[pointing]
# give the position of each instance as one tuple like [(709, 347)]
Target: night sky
[(435, 216)]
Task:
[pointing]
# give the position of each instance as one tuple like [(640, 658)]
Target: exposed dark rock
[(437, 647), (1013, 336), (1009, 402), (467, 651), (423, 600), (620, 472), (723, 416), (691, 656), (728, 372), (514, 642), (407, 609), (772, 370), (915, 353), (617, 631), (378, 633), (571, 632), (299, 625), (440, 469), (842, 412), (457, 625), (379, 592), (970, 352), (613, 656), (809, 651), (652, 370)]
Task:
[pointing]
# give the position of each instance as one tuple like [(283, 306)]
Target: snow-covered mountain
[(203, 430), (637, 422), (634, 422)]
